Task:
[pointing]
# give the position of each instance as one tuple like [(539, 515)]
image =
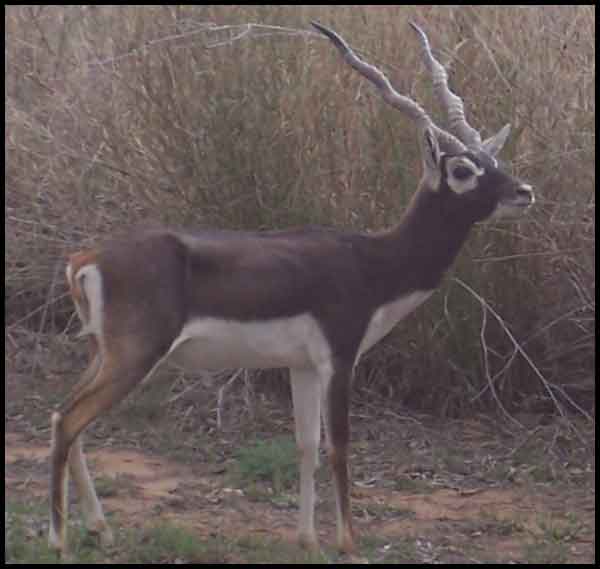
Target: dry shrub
[(121, 115)]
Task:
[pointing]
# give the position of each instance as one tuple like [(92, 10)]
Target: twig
[(42, 325), (240, 31), (486, 365), (237, 374), (490, 55), (185, 391), (548, 386), (527, 255), (49, 301)]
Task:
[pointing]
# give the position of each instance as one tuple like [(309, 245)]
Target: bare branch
[(238, 31), (548, 386)]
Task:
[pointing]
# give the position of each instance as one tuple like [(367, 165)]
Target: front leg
[(306, 395), (337, 425)]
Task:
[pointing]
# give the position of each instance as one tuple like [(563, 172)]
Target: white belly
[(212, 343), (296, 342)]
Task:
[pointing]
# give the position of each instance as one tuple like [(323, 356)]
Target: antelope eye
[(462, 172)]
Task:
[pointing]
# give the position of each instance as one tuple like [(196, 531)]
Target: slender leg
[(337, 426), (89, 374), (306, 394), (90, 505), (115, 378)]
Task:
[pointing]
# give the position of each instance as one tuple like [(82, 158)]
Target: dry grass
[(120, 115)]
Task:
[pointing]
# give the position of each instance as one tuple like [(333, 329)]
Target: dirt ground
[(483, 523), (430, 491)]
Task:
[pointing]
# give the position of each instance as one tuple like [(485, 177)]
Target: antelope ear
[(430, 149), (494, 144), (432, 156)]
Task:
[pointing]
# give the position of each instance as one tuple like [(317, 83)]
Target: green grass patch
[(273, 461)]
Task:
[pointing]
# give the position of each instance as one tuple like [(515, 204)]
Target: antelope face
[(482, 188)]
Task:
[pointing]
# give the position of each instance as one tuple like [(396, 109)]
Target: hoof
[(106, 537), (346, 541), (56, 543), (309, 542), (102, 530)]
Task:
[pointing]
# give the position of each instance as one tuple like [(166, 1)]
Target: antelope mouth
[(516, 205), (522, 201)]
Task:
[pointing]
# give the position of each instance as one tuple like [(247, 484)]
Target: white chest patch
[(388, 315), (213, 343)]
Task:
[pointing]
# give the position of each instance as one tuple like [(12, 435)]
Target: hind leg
[(95, 522), (115, 377)]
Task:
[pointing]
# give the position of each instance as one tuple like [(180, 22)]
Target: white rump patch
[(90, 280)]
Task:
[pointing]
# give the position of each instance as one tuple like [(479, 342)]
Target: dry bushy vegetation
[(187, 117)]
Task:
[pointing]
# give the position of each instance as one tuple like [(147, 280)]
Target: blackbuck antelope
[(310, 299)]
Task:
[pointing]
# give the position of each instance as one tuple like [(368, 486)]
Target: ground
[(179, 488)]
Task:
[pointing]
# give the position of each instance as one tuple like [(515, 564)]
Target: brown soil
[(486, 523)]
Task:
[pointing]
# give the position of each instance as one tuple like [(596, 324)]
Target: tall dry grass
[(121, 115)]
